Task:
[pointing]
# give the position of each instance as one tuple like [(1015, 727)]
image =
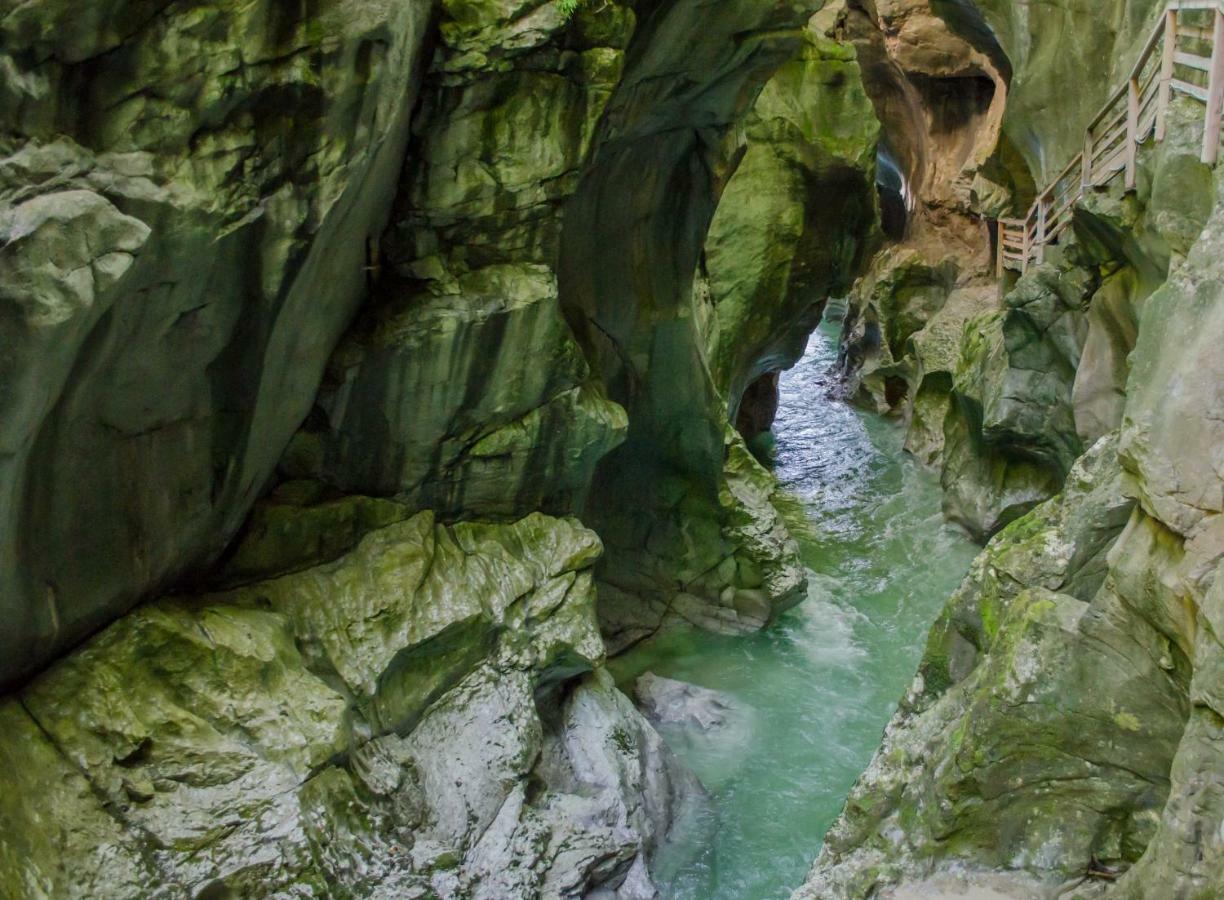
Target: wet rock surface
[(372, 724), (290, 322), (1059, 725), (670, 702), (188, 199)]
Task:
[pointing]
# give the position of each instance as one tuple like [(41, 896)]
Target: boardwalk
[(1185, 55)]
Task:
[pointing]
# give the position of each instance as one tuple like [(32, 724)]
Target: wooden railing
[(1184, 54)]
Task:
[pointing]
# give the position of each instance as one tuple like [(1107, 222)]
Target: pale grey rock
[(187, 199), (666, 701), (426, 715)]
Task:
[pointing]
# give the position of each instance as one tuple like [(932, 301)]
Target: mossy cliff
[(680, 324), (1062, 735), (324, 325), (363, 727), (189, 198), (1003, 389)]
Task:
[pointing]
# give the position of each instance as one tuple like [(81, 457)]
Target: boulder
[(666, 701)]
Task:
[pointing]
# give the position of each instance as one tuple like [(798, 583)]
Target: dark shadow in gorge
[(631, 244)]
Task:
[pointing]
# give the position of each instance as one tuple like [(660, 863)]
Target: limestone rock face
[(1011, 434), (369, 724), (460, 388), (1065, 713), (939, 84), (476, 402), (187, 199), (1088, 43), (794, 225), (690, 529)]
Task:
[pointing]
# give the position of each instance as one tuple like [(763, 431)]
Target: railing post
[(1086, 169), (1041, 230), (1166, 74), (1132, 133), (1026, 245), (1000, 234), (1215, 94)]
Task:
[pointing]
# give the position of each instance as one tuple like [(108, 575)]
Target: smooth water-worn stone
[(369, 723), (896, 300), (1044, 715), (187, 201), (936, 351), (682, 542), (475, 401), (795, 224), (671, 702), (1064, 716)]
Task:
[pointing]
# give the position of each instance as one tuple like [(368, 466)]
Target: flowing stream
[(817, 688)]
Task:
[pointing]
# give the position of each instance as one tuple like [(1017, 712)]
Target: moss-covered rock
[(795, 223), (1067, 708), (187, 200), (475, 401), (1038, 734), (361, 722)]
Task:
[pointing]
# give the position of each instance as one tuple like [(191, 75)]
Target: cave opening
[(896, 200)]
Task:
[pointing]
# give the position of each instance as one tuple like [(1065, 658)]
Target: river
[(821, 684)]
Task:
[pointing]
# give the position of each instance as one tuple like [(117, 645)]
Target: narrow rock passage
[(820, 686)]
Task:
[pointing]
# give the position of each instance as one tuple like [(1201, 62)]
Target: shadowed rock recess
[(370, 371)]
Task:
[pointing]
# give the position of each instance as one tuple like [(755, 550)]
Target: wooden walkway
[(1185, 54)]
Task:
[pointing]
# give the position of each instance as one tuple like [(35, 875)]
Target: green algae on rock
[(1063, 712), (370, 723), (189, 198), (679, 356)]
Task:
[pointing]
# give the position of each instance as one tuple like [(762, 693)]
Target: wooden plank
[(1192, 89), (1067, 204), (1149, 47), (1106, 172), (1166, 73), (1193, 33), (1136, 110), (1041, 232), (1107, 147), (999, 256), (1193, 61), (1215, 95), (1193, 5), (1106, 133), (1114, 99)]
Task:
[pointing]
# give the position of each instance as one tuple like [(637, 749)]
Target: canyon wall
[(1061, 734), (189, 202), (379, 355)]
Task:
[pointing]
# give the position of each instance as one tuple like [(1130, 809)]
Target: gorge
[(387, 385)]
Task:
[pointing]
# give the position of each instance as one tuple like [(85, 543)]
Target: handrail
[(1134, 111)]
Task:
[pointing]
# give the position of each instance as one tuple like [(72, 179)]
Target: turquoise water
[(819, 686)]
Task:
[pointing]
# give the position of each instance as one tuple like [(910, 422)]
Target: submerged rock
[(666, 701)]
